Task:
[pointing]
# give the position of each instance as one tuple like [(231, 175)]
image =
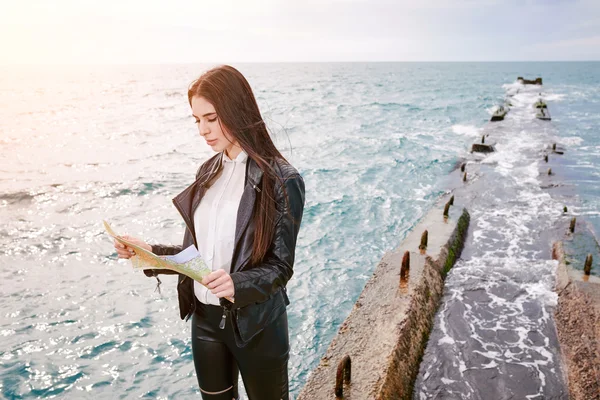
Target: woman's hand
[(126, 251), (220, 284)]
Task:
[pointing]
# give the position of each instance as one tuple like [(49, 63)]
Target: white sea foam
[(554, 96), (571, 141), (466, 130), (446, 339), (512, 88)]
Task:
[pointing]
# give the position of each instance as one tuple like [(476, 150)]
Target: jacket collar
[(253, 173), (187, 201)]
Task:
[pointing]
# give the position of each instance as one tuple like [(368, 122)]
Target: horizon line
[(286, 62)]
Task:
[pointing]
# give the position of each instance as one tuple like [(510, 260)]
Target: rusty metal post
[(553, 146), (572, 226), (483, 139), (446, 209), (342, 376), (549, 171), (587, 267), (451, 202), (546, 158), (465, 177), (405, 268), (424, 237), (462, 167)]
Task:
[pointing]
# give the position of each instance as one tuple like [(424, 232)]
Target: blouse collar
[(241, 158)]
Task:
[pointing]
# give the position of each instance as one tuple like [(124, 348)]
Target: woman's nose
[(203, 128)]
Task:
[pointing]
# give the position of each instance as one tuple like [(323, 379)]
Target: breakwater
[(494, 335), (376, 352)]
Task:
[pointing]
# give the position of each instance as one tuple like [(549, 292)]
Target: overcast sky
[(186, 31)]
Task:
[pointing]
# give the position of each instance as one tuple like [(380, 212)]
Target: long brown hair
[(230, 93)]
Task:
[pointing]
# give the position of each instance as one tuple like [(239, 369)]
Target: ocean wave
[(571, 140), (16, 197), (466, 130), (174, 94), (555, 96)]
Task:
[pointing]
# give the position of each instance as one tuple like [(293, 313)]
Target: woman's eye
[(197, 121)]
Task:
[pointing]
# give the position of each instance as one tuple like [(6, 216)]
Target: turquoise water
[(373, 142)]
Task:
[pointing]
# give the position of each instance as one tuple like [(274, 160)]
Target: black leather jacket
[(260, 294)]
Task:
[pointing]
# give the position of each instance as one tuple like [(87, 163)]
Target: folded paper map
[(188, 262)]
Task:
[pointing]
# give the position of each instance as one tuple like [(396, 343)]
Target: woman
[(243, 213)]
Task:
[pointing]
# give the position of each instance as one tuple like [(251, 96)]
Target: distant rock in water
[(482, 148), (536, 81), (499, 114)]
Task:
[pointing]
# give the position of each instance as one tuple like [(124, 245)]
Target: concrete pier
[(386, 331)]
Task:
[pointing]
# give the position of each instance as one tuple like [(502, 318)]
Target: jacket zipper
[(223, 319)]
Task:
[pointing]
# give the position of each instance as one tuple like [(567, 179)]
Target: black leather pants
[(218, 360)]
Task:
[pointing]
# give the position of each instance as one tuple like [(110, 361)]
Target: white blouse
[(215, 219)]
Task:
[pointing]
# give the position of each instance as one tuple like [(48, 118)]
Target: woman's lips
[(211, 142)]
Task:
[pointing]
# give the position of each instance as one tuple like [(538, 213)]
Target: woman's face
[(209, 127)]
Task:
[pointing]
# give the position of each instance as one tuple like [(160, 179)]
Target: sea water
[(373, 141)]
